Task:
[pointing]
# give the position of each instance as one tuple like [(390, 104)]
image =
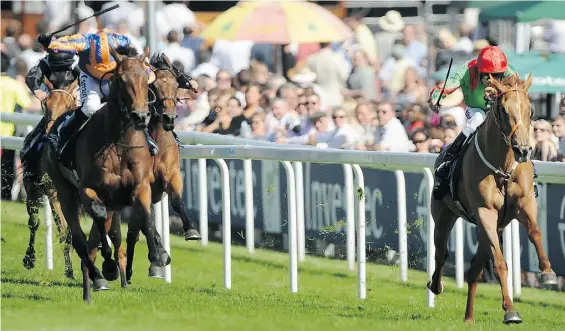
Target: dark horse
[(166, 164), (494, 186), (112, 167), (37, 183)]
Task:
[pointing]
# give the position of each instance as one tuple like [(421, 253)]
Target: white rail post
[(350, 215), (361, 249), (226, 220), (157, 215), (459, 253), (300, 231), (249, 214), (292, 240), (431, 227), (516, 263), (507, 239), (48, 233), (165, 230), (203, 200), (402, 231)]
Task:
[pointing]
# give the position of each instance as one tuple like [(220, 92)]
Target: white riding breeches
[(475, 117), (90, 94)]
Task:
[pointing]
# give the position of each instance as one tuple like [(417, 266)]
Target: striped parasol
[(277, 22)]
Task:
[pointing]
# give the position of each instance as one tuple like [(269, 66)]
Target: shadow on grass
[(34, 297), (38, 283)]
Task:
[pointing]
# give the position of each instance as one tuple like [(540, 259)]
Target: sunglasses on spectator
[(541, 129), (338, 116), (419, 141)]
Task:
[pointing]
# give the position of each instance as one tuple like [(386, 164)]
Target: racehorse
[(491, 184), (60, 100), (166, 164), (112, 167)]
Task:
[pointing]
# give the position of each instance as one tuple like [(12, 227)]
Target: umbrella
[(548, 73), (277, 22), (523, 11)]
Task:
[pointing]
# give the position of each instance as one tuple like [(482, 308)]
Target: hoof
[(512, 317), (100, 285), (164, 259), (192, 234), (70, 275), (548, 279), (439, 290), (29, 261), (156, 272), (110, 270)]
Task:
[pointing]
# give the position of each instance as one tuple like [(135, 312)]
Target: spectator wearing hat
[(390, 30), (303, 77)]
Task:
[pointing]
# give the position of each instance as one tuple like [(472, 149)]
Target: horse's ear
[(146, 53), (74, 85), (48, 84), (117, 57), (528, 82), (495, 83)]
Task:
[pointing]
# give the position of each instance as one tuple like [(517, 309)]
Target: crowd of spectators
[(366, 93)]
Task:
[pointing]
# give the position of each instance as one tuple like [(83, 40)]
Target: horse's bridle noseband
[(159, 103), (497, 105)]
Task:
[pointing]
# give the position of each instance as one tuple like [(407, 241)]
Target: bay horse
[(494, 186), (37, 183), (166, 164), (112, 167)]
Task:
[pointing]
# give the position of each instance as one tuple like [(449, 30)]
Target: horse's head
[(167, 91), (59, 101), (130, 87), (512, 113)]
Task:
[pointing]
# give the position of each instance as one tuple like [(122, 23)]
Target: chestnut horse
[(494, 186), (113, 166), (166, 164), (37, 183)]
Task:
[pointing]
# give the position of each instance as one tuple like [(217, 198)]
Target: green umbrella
[(523, 11), (548, 72)]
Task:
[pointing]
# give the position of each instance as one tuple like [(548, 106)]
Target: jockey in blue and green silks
[(96, 64), (469, 85)]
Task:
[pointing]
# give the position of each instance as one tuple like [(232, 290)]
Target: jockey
[(95, 62), (61, 70), (469, 85)]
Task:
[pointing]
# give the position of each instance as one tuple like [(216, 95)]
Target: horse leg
[(110, 269), (115, 235), (70, 211), (142, 213), (154, 270), (174, 190), (473, 277), (97, 211), (444, 221), (64, 233), (32, 205), (527, 216), (489, 225), (131, 240)]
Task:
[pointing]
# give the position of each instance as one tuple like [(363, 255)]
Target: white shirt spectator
[(344, 137), (555, 36), (392, 136), (232, 56), (175, 52)]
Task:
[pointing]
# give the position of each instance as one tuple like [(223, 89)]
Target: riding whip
[(98, 13), (445, 82)]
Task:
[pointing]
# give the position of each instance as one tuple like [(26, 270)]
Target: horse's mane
[(159, 62), (511, 81)]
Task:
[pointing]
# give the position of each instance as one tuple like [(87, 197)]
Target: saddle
[(67, 157)]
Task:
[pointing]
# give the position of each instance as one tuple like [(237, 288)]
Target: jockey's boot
[(535, 184), (176, 138), (153, 147), (32, 138), (68, 128), (442, 171)]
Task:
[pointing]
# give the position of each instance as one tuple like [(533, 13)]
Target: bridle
[(497, 104), (158, 107)]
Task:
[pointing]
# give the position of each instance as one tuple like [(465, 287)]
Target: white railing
[(352, 162)]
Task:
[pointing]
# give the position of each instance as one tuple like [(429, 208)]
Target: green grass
[(260, 298)]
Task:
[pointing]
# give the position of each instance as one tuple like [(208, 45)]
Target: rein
[(508, 139), (159, 101)]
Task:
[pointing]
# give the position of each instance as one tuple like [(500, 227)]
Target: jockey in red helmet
[(470, 86)]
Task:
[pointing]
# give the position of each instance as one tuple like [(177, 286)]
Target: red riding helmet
[(492, 60)]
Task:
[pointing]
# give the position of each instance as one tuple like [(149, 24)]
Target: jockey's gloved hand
[(44, 40)]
